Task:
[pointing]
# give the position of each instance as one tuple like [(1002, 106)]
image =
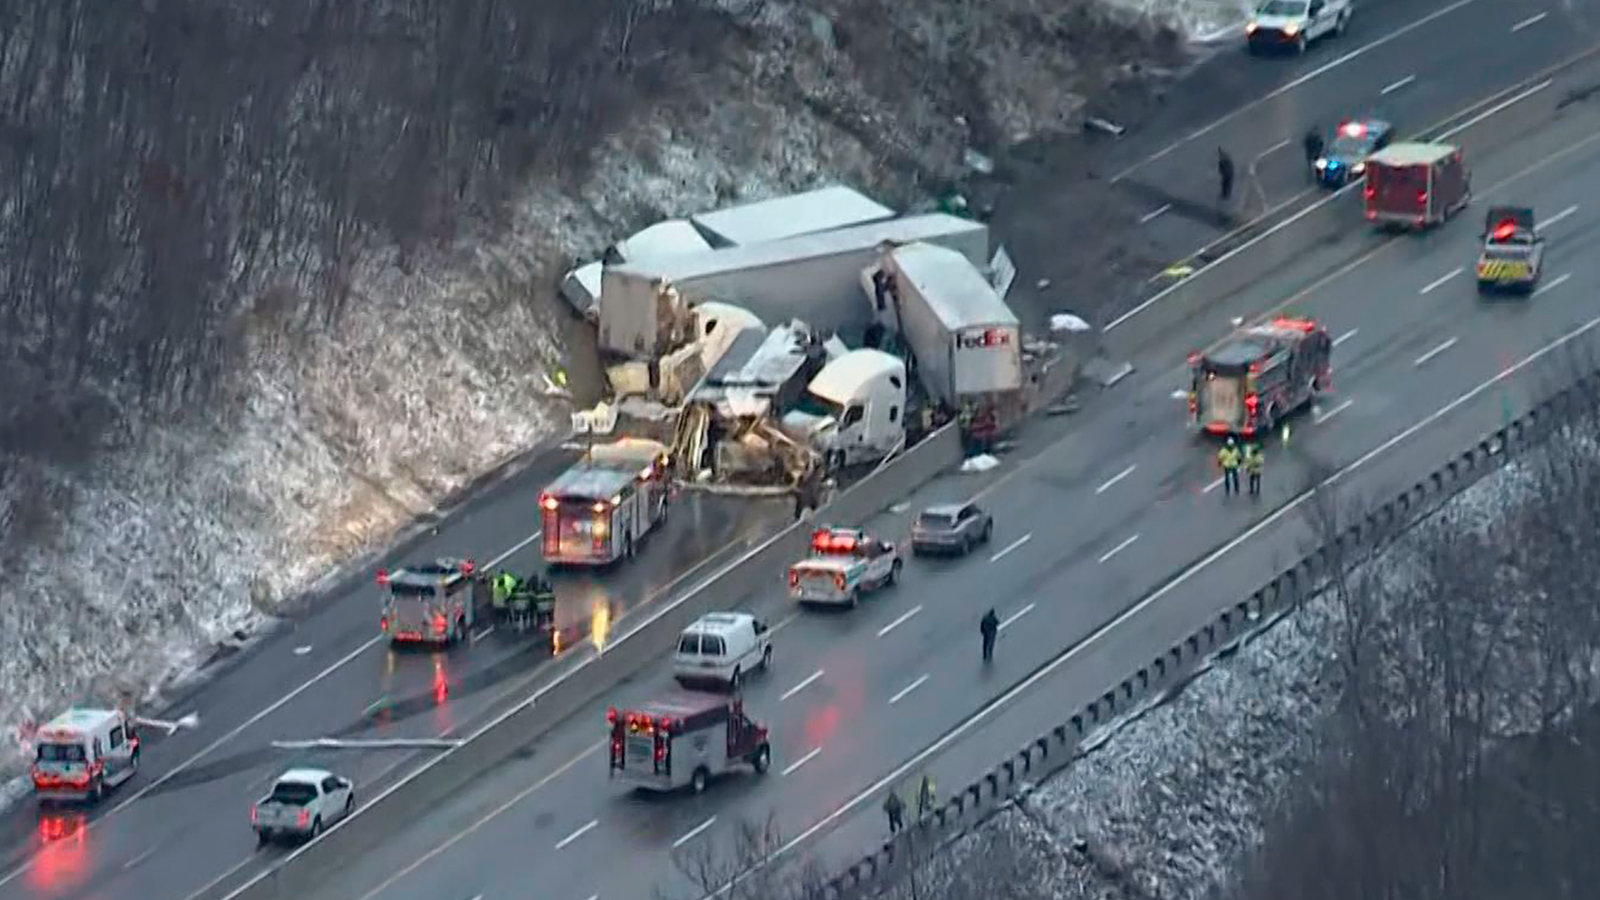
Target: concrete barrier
[(1164, 675), (582, 675), (1333, 226)]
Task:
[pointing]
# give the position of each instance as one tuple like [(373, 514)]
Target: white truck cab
[(82, 753), (303, 802), (1295, 24), (854, 409), (722, 647), (844, 564)]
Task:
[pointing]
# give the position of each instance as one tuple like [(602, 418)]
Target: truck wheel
[(697, 781), (766, 658), (855, 598), (461, 629), (97, 790), (261, 839), (734, 679), (762, 760), (627, 546), (349, 805), (316, 828), (988, 530), (1300, 43), (894, 574), (1341, 24)]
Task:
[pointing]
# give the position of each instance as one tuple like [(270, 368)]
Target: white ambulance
[(82, 753)]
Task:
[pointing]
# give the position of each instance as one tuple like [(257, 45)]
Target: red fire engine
[(1259, 375)]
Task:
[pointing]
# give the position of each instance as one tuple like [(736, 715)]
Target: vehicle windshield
[(60, 753), (1505, 253), (817, 405), (689, 643), (935, 520), (292, 793), (1350, 145), (1282, 8)]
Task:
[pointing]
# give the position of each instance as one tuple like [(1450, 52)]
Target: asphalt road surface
[(1120, 524), (178, 825)]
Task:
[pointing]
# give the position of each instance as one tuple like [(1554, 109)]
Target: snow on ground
[(1175, 798), (137, 573)]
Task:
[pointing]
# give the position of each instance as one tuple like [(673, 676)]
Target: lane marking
[(1114, 479), (1118, 548), (900, 621), (1323, 417), (1345, 337), (512, 552), (802, 685), (901, 694), (1421, 360), (1552, 284), (562, 844), (1391, 88), (1011, 546), (302, 650), (802, 761), (1452, 132), (694, 832), (1006, 623), (1289, 86), (783, 622), (483, 634), (1212, 486), (1442, 279), (1531, 20), (1138, 608), (464, 833), (225, 876), (1150, 216), (1557, 217), (1273, 149), (138, 859)]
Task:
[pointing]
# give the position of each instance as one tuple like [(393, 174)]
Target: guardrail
[(1054, 750), (586, 674), (1332, 224)]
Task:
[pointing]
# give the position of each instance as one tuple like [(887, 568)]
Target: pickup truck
[(844, 564), (301, 805)]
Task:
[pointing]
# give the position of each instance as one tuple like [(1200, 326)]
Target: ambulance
[(685, 740), (82, 753)]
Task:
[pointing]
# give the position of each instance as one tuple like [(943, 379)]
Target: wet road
[(1115, 542), (183, 822)]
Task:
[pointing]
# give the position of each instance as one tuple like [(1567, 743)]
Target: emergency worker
[(989, 628), (1224, 173), (505, 584), (1314, 146), (895, 810), (1254, 461), (926, 796), (1228, 458)]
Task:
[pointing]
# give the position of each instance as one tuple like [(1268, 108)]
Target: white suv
[(1294, 24)]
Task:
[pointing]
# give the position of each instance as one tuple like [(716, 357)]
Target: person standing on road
[(925, 796), (1225, 173), (1228, 458), (1254, 461), (1314, 146), (990, 629), (895, 810)]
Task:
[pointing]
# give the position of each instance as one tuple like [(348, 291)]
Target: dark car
[(1345, 158), (950, 528)]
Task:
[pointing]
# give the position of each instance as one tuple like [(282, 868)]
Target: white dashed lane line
[(1153, 214), (802, 761), (901, 694), (1325, 416), (1395, 86), (694, 832), (1011, 619), (1118, 548), (1531, 20), (1345, 337), (1553, 283), (1441, 280), (802, 685), (1423, 359), (901, 620), (1110, 482), (577, 833), (1011, 546)]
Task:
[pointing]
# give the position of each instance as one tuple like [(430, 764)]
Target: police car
[(1294, 24), (1513, 251), (1345, 159)]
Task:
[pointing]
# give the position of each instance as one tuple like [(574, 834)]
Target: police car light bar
[(1354, 129), (1505, 230)]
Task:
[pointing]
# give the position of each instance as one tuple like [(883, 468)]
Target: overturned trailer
[(644, 309)]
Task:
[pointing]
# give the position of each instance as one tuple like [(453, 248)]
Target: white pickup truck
[(844, 563), (302, 803)]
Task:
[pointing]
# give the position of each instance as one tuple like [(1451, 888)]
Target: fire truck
[(844, 563), (430, 604), (1259, 375), (600, 509), (685, 740)]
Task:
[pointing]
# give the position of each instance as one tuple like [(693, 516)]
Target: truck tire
[(1341, 24), (1300, 44), (316, 829), (698, 781), (762, 761), (735, 679), (894, 574), (262, 840), (855, 597), (349, 804)]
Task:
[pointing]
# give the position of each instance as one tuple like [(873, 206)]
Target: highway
[(176, 826), (181, 824), (1119, 522)]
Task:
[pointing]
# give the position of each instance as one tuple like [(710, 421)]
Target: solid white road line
[(900, 694), (1118, 548), (1391, 88), (1212, 486), (1011, 546), (1553, 283), (1114, 479), (1494, 110), (802, 685), (802, 761), (1150, 216), (1557, 217), (1531, 20), (1423, 359), (1345, 337), (694, 832), (1099, 634), (562, 844), (1325, 416), (1427, 289), (899, 621), (1007, 622)]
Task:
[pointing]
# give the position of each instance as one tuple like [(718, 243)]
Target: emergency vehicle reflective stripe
[(1502, 269)]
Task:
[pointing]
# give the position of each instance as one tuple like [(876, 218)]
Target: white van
[(82, 753), (722, 647), (854, 409)]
